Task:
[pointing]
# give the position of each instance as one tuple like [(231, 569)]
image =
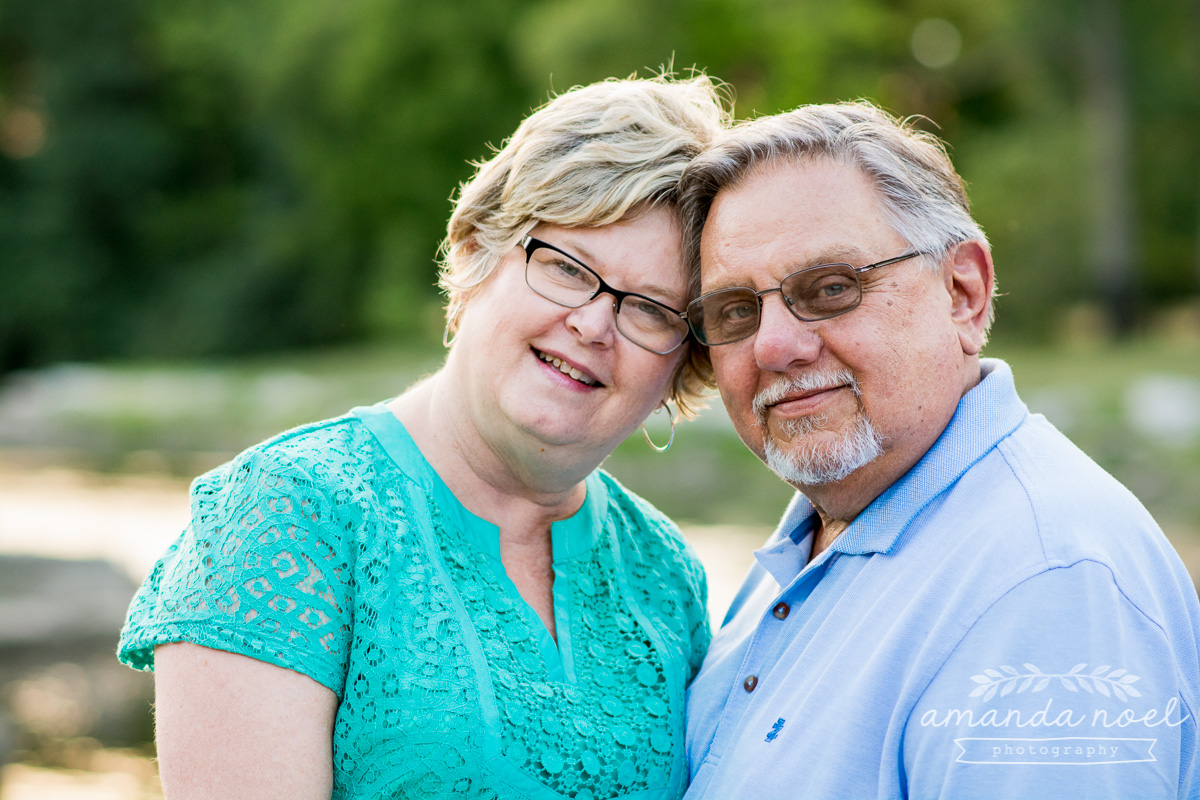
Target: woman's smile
[(577, 349), (564, 367)]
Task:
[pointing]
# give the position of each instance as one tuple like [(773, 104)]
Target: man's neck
[(825, 535), (838, 504)]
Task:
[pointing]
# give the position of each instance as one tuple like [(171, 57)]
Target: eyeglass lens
[(561, 279), (731, 315)]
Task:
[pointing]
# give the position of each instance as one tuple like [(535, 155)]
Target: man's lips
[(800, 394), (804, 402), (573, 371)]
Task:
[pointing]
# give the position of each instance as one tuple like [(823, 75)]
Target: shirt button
[(750, 683), (781, 611)]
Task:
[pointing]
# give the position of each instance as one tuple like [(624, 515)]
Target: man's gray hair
[(591, 156), (920, 194)]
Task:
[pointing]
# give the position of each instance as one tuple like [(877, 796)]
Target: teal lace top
[(336, 551)]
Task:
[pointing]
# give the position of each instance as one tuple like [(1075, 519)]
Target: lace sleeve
[(260, 571)]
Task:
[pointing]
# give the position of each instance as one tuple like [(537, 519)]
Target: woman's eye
[(652, 311), (649, 309), (568, 269)]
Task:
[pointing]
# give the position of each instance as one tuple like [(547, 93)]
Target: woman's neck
[(507, 480)]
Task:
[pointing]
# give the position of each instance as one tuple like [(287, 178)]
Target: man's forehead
[(787, 215)]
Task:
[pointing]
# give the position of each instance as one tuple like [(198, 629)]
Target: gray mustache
[(808, 382)]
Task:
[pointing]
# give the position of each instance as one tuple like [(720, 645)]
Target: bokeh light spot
[(22, 133), (936, 43)]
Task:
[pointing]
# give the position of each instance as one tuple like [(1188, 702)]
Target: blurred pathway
[(134, 779), (130, 520), (64, 514)]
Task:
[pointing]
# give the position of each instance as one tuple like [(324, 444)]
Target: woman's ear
[(970, 278)]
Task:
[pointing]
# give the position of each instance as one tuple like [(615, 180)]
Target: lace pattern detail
[(318, 553)]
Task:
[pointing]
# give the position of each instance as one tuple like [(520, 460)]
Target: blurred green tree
[(211, 176)]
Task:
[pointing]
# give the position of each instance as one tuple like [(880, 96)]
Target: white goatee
[(809, 464)]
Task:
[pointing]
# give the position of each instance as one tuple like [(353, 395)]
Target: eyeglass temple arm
[(886, 262)]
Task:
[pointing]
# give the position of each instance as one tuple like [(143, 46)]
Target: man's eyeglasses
[(820, 292), (563, 279)]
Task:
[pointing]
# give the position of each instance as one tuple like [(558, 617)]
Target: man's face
[(863, 394)]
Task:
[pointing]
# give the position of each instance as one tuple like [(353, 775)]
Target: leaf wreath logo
[(1118, 682)]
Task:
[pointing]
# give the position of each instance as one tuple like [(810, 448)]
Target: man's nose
[(782, 340)]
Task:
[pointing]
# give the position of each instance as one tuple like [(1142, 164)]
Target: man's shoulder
[(1038, 503), (1076, 507)]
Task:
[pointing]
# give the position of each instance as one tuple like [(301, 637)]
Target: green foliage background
[(201, 177)]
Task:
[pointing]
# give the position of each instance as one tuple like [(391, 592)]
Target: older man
[(958, 603)]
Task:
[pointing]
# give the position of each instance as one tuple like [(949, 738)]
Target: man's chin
[(820, 457)]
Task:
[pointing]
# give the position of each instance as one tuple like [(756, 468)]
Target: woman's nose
[(595, 321)]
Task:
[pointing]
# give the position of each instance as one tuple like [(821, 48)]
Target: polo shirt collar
[(787, 551), (985, 415)]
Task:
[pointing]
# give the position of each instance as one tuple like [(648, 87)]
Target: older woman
[(441, 595)]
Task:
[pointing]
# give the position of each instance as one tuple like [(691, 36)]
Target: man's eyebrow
[(729, 283), (848, 254)]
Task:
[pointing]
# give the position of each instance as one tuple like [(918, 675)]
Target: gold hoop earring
[(670, 440)]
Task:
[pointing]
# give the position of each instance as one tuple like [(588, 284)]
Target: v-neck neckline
[(569, 538)]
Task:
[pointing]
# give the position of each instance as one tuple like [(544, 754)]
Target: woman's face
[(535, 372)]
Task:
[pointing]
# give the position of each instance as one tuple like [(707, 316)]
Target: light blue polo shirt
[(1005, 621)]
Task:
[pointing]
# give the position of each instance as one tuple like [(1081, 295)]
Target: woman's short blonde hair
[(590, 156)]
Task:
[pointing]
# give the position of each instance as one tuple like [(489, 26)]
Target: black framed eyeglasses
[(813, 293), (563, 279)]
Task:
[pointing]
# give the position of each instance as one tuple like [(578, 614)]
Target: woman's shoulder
[(313, 447), (661, 569), (266, 565), (329, 457), (640, 525), (630, 504), (329, 478)]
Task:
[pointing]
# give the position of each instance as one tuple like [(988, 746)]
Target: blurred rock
[(1064, 406), (48, 601), (1165, 408), (8, 738), (59, 624)]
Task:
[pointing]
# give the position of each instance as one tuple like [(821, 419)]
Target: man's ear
[(970, 278)]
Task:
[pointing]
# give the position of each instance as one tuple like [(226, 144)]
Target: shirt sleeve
[(1062, 689), (259, 571)]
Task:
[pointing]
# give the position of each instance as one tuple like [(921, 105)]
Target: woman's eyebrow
[(585, 257), (570, 247), (671, 298)]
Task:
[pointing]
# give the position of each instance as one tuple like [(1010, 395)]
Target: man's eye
[(833, 288), (738, 311), (824, 290)]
